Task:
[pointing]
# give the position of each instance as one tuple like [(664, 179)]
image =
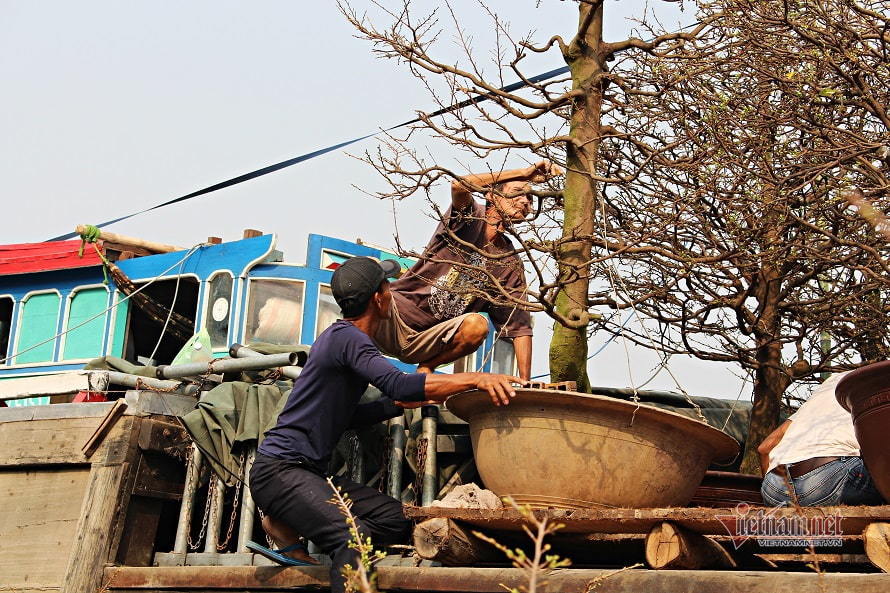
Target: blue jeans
[(844, 481)]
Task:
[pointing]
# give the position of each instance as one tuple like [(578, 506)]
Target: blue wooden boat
[(59, 309)]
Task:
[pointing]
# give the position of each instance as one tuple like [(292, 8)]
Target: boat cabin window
[(6, 306), (37, 326), (331, 260), (85, 341), (219, 307), (328, 309), (147, 318), (274, 311)]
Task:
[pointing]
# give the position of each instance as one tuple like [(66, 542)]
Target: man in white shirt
[(817, 447)]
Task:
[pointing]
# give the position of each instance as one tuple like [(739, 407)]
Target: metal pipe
[(193, 470), (137, 382), (430, 469), (214, 520), (227, 365), (291, 372), (397, 440), (248, 506)]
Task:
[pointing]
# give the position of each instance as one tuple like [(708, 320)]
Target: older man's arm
[(462, 188), (769, 443)]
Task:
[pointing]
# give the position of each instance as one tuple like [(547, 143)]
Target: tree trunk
[(568, 347), (771, 379)]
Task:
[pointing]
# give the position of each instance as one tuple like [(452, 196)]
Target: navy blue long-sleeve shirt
[(324, 400)]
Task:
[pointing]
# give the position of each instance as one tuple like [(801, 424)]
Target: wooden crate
[(64, 514)]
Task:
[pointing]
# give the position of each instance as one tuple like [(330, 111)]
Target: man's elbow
[(765, 447)]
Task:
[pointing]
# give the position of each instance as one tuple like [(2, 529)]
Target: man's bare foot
[(284, 536)]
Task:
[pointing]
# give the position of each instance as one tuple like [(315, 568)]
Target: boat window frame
[(318, 308), (66, 315), (207, 306), (163, 278), (12, 326), (246, 308), (18, 325), (325, 250)]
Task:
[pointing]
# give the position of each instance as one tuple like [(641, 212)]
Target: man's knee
[(474, 328)]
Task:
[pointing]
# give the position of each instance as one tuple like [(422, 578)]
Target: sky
[(109, 107)]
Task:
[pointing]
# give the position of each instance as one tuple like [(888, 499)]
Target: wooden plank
[(93, 535), (54, 412), (706, 521), (105, 426), (254, 578), (38, 515), (59, 441), (54, 384), (809, 558), (490, 580)]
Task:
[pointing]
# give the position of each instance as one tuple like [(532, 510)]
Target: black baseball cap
[(356, 281)]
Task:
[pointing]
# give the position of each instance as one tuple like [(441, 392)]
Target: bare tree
[(738, 235)]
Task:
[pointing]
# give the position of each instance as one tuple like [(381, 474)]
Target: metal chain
[(420, 460), (269, 540), (385, 463), (235, 502), (211, 486)]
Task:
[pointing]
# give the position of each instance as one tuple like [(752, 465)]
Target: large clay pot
[(570, 450), (865, 393)]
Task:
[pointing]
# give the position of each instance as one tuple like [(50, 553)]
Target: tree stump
[(669, 546), (447, 542)]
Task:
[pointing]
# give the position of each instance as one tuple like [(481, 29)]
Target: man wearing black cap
[(288, 477)]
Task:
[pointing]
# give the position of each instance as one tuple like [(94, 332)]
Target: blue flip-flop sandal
[(279, 555)]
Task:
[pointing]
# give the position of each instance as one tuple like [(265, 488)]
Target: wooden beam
[(254, 578), (105, 426), (491, 580), (670, 546), (92, 537), (876, 538), (125, 241), (707, 521), (445, 541)]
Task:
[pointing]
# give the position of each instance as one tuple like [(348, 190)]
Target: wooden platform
[(706, 521), (490, 580)]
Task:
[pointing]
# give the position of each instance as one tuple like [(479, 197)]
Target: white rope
[(100, 314), (169, 313)]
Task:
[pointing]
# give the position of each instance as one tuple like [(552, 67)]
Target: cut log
[(669, 546), (447, 542), (876, 538), (124, 242)]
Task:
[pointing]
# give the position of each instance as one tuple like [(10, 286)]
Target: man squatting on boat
[(818, 449), (435, 306), (287, 480)]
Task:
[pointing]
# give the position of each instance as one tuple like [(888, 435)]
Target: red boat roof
[(25, 258)]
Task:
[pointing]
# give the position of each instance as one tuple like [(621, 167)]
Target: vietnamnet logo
[(777, 527)]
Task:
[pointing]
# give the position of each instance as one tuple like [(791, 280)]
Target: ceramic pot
[(865, 393), (562, 449)]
